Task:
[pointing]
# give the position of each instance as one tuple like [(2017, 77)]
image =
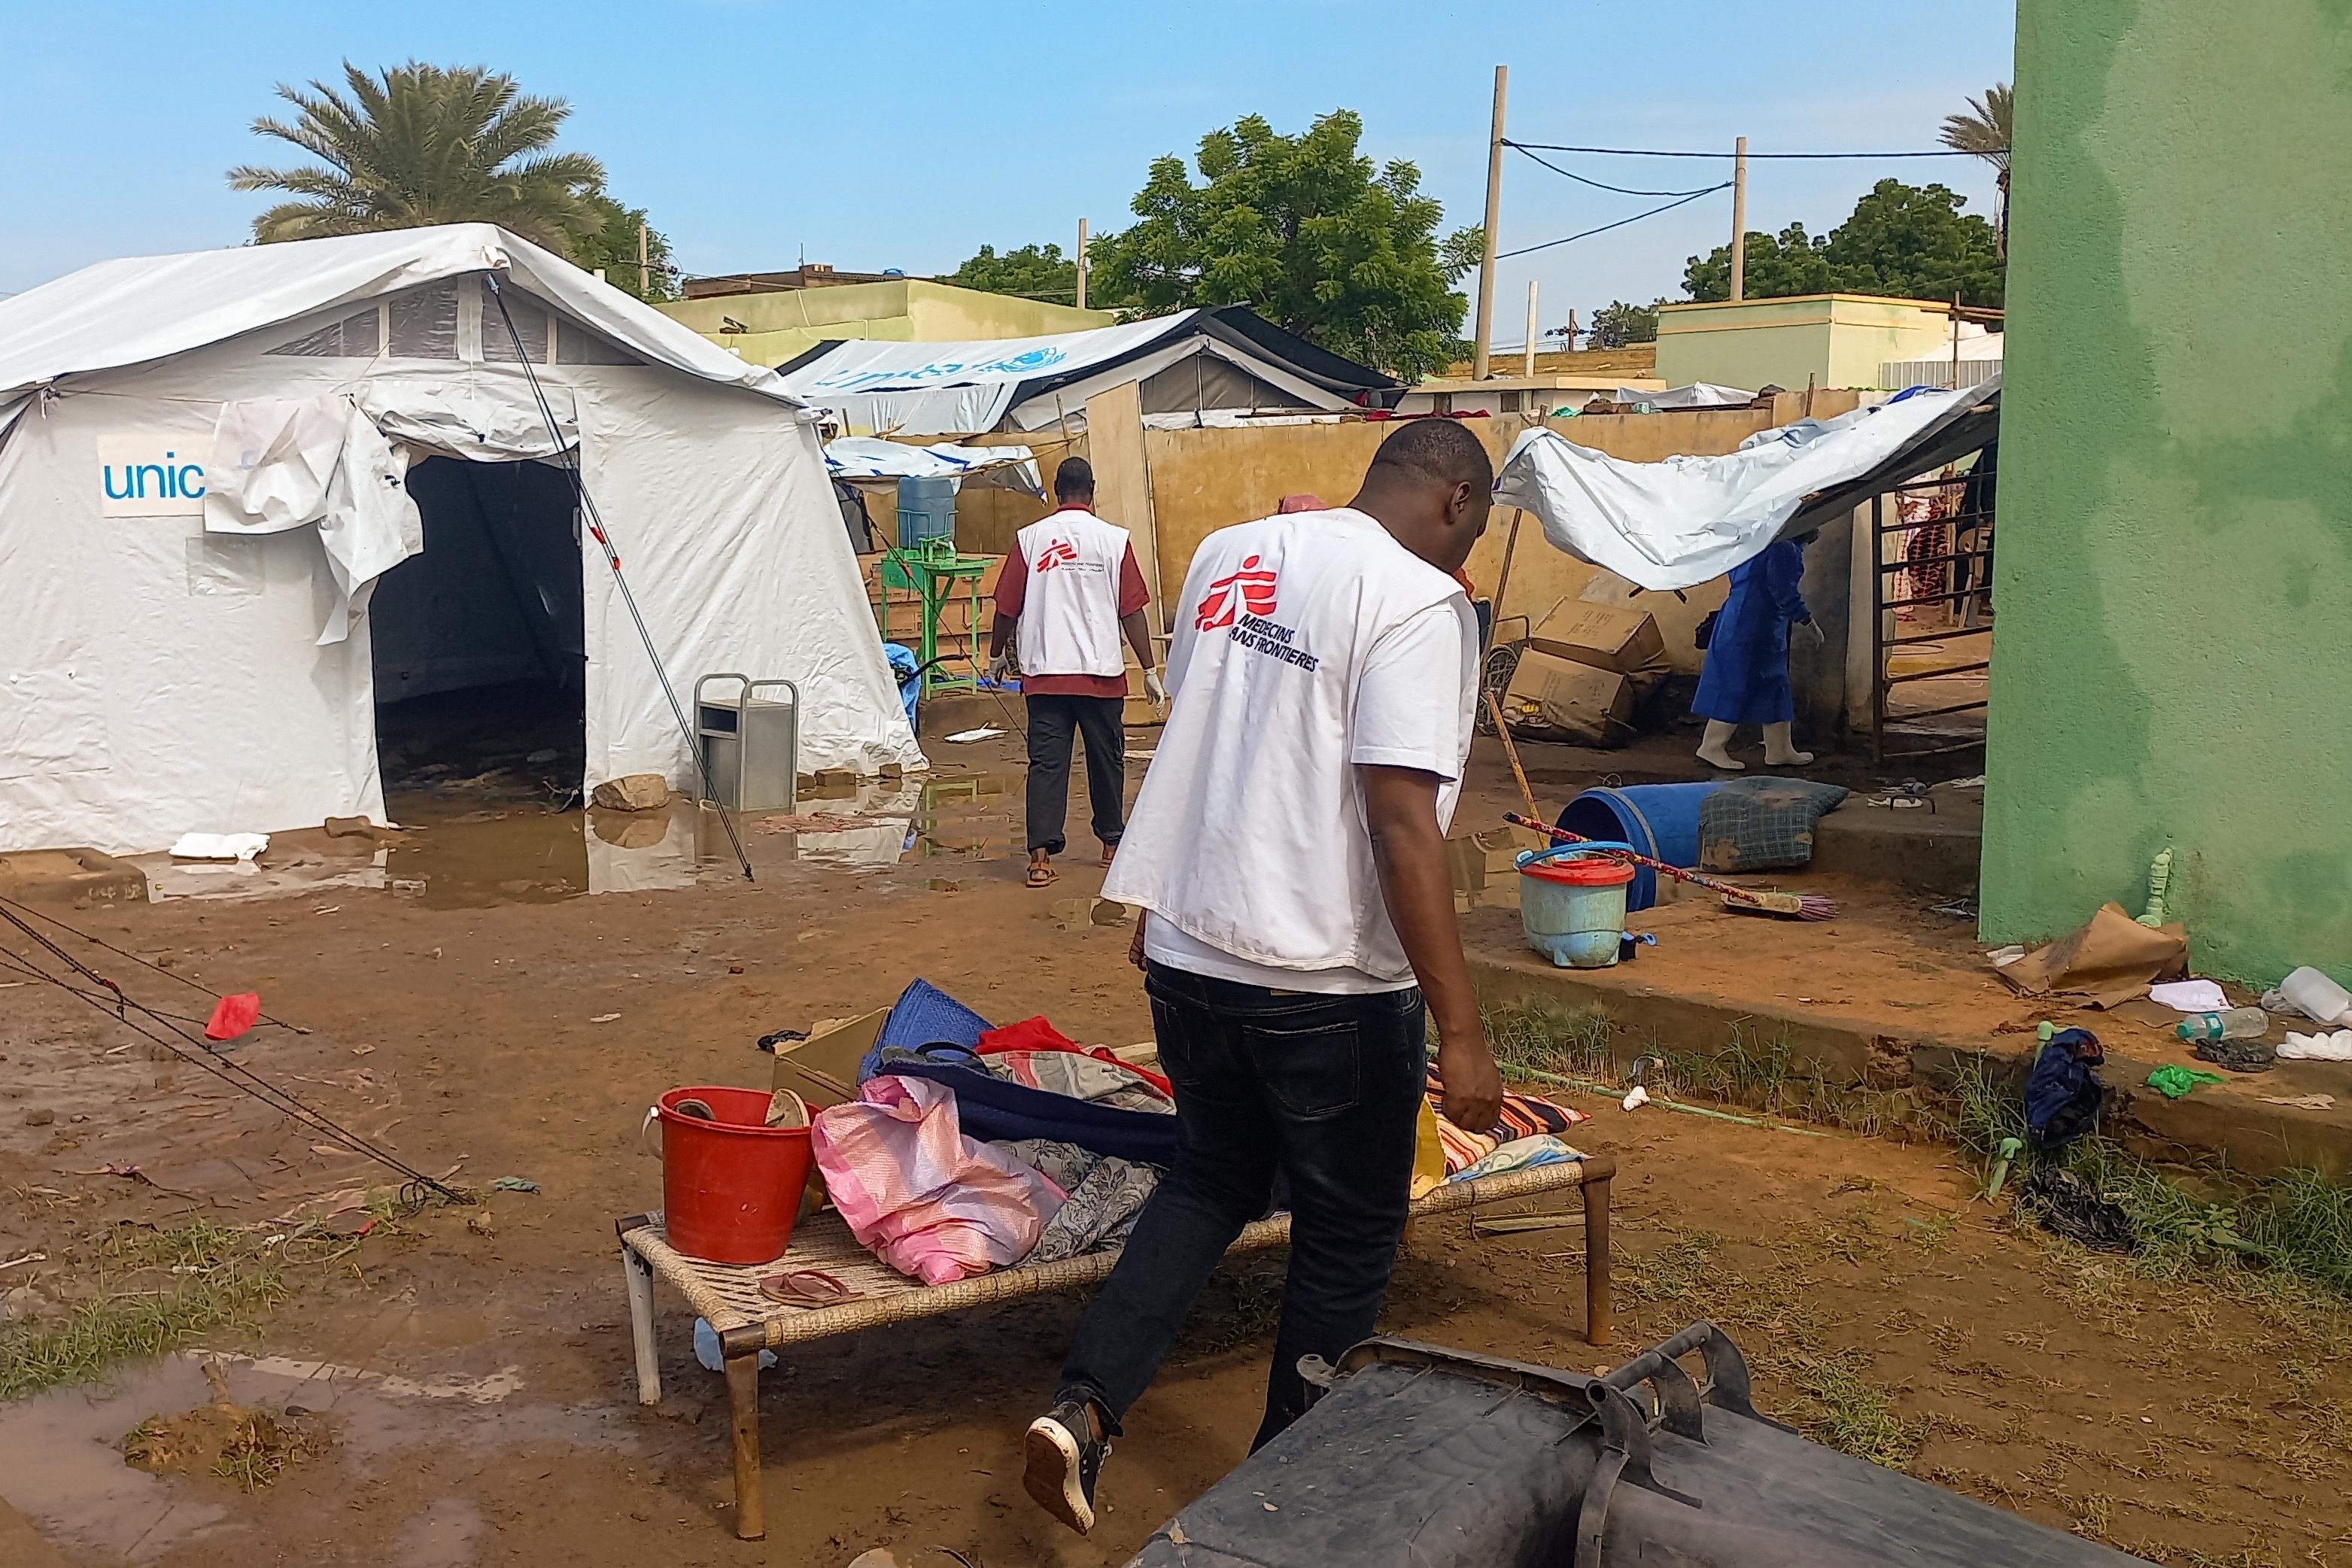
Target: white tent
[(209, 461)]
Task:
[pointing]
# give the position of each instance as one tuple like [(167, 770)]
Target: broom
[(1802, 906)]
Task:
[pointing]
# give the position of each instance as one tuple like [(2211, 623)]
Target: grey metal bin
[(751, 746)]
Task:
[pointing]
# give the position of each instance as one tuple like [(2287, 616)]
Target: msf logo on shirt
[(1248, 591), (1061, 553), (1240, 606)]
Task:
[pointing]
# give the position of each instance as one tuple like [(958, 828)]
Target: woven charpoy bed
[(747, 1322)]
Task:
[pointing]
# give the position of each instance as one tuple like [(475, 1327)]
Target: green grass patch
[(157, 1291), (1839, 1405), (2297, 1224)]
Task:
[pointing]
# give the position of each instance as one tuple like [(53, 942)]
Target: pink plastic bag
[(924, 1198)]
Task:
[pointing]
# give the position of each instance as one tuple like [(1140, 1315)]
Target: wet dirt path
[(473, 1367)]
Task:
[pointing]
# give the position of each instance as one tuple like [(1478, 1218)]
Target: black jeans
[(1102, 722), (1325, 1090)]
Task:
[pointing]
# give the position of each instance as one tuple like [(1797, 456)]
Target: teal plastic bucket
[(1572, 902)]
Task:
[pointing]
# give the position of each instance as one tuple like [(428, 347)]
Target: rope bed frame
[(728, 1295)]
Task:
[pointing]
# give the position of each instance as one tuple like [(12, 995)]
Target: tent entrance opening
[(478, 644)]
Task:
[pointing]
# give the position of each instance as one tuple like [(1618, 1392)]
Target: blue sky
[(908, 134)]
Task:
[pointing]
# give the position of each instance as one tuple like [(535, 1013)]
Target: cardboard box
[(1606, 637), (823, 1069), (1554, 699)]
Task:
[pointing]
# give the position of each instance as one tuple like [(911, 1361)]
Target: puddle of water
[(471, 853), (62, 1451), (442, 1536)]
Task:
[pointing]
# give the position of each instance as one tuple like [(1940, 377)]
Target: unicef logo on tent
[(1023, 363)]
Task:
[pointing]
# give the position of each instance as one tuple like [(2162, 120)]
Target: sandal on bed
[(811, 1287)]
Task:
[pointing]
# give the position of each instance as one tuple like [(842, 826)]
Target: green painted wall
[(2173, 659)]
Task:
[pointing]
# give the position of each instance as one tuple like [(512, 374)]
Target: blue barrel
[(926, 510), (1659, 820)]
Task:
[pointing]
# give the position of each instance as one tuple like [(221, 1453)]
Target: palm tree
[(1984, 130), (421, 144)]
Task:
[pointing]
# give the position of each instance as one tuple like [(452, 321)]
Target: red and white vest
[(1069, 603)]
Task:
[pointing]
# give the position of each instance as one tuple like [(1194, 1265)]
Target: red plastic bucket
[(731, 1188)]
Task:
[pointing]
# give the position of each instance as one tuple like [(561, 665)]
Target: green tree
[(423, 144), (1984, 130), (1910, 242), (1032, 272), (1617, 323), (613, 246), (1303, 228), (1779, 265)]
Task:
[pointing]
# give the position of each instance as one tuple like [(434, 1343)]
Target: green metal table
[(934, 573)]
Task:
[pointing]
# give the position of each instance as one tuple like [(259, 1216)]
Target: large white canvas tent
[(1212, 366), (210, 463)]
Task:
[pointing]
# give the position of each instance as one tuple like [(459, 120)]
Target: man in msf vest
[(1068, 590), (1288, 851)]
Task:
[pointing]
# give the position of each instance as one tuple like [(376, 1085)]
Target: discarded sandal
[(811, 1287)]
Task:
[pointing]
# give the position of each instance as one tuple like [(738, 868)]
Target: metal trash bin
[(751, 746)]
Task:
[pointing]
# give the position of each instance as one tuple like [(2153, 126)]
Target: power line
[(1658, 153), (1620, 223), (1596, 184)]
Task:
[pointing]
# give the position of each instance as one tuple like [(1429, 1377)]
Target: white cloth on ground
[(2190, 996), (219, 845)]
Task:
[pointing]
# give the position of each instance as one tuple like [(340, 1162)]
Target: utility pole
[(1740, 219), (645, 272), (1480, 358), (1082, 264), (1530, 350)]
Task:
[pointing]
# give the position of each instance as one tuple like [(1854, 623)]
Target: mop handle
[(1677, 872)]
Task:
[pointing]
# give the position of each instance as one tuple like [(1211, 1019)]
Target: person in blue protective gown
[(1745, 679)]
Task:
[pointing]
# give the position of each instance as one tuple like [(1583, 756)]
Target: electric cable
[(612, 559), (1620, 223), (1597, 185), (1661, 152)]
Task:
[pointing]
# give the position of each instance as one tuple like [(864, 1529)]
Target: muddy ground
[(463, 1375)]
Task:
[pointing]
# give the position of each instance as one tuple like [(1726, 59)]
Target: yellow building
[(1822, 340), (770, 325)]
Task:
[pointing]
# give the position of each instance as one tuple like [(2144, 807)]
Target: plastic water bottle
[(2237, 1024), (2316, 997)]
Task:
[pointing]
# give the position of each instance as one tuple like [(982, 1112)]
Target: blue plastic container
[(1573, 904), (926, 510), (1657, 820)]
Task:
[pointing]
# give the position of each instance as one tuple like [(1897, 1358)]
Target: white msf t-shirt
[(1305, 645)]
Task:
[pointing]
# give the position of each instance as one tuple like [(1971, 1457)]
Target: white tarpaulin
[(871, 458), (959, 388), (1697, 394), (206, 460), (1689, 520)]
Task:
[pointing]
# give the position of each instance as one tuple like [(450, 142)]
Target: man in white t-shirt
[(1288, 851)]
